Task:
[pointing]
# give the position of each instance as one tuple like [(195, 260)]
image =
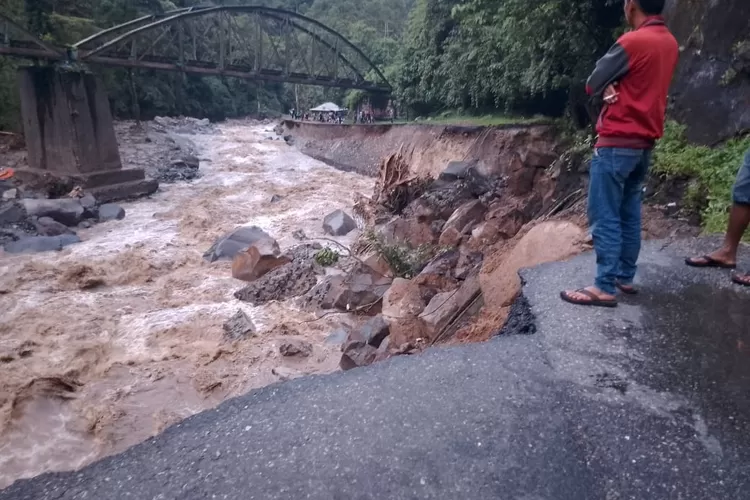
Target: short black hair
[(651, 7)]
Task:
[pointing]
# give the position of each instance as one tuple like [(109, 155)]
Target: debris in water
[(296, 348), (239, 326)]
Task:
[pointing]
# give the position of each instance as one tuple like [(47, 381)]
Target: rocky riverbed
[(112, 339)]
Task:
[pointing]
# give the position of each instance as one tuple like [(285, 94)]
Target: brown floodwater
[(88, 372)]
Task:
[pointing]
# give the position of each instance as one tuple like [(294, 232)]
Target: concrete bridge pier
[(70, 135)]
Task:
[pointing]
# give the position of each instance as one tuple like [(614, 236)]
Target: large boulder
[(377, 263), (456, 170), (410, 232), (374, 331), (290, 280), (296, 348), (407, 333), (438, 273), (710, 92), (357, 352), (447, 306), (11, 213), (485, 234), (261, 258), (239, 326), (68, 211), (338, 223), (361, 291), (34, 244), (226, 247), (47, 226), (440, 201), (403, 299), (466, 217), (110, 211)]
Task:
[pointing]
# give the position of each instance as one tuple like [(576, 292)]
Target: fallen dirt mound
[(499, 280)]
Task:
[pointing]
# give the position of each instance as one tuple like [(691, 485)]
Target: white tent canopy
[(328, 107)]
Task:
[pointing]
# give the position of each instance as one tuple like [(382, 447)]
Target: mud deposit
[(114, 339)]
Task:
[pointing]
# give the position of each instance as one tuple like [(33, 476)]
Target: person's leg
[(630, 215), (739, 219), (609, 170)]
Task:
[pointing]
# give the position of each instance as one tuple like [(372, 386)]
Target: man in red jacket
[(633, 79)]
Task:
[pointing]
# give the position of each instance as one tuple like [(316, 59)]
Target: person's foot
[(590, 296), (721, 258), (741, 279)]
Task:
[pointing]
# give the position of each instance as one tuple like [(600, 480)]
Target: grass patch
[(488, 120), (712, 172)]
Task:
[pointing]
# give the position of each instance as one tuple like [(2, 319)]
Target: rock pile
[(453, 220), (185, 168), (183, 125), (29, 224), (413, 277)]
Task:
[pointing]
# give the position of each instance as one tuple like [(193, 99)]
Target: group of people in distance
[(633, 80)]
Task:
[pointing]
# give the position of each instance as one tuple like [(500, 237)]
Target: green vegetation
[(405, 261), (485, 120), (711, 172), (490, 62), (327, 257), (511, 55), (376, 26)]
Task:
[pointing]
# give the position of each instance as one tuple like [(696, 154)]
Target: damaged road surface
[(648, 401)]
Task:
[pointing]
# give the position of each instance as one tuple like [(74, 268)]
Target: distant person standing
[(633, 79)]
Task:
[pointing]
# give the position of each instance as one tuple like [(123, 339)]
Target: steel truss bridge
[(250, 42)]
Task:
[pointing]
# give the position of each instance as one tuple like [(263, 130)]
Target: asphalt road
[(648, 401)]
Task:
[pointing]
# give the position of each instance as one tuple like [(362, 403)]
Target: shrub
[(326, 257), (712, 172)]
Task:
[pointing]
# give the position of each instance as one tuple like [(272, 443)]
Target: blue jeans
[(615, 194), (741, 190)]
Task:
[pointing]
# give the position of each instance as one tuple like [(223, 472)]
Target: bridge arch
[(250, 42)]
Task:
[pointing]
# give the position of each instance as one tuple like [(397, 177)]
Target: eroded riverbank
[(89, 372)]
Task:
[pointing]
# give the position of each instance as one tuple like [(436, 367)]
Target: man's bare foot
[(591, 296), (723, 259)]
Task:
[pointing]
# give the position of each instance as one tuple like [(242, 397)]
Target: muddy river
[(87, 372)]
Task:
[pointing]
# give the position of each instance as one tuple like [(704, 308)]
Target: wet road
[(648, 401)]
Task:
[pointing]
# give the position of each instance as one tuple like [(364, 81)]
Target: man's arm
[(609, 69)]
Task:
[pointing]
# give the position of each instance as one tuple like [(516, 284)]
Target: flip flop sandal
[(592, 300), (626, 289), (741, 279), (708, 262)]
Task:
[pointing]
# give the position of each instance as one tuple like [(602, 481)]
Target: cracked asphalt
[(646, 401)]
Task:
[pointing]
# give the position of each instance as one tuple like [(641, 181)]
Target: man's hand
[(610, 94)]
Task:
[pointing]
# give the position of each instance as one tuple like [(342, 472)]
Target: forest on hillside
[(521, 56)]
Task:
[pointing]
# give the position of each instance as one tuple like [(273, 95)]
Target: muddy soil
[(112, 340)]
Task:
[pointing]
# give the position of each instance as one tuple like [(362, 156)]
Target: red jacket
[(642, 63)]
